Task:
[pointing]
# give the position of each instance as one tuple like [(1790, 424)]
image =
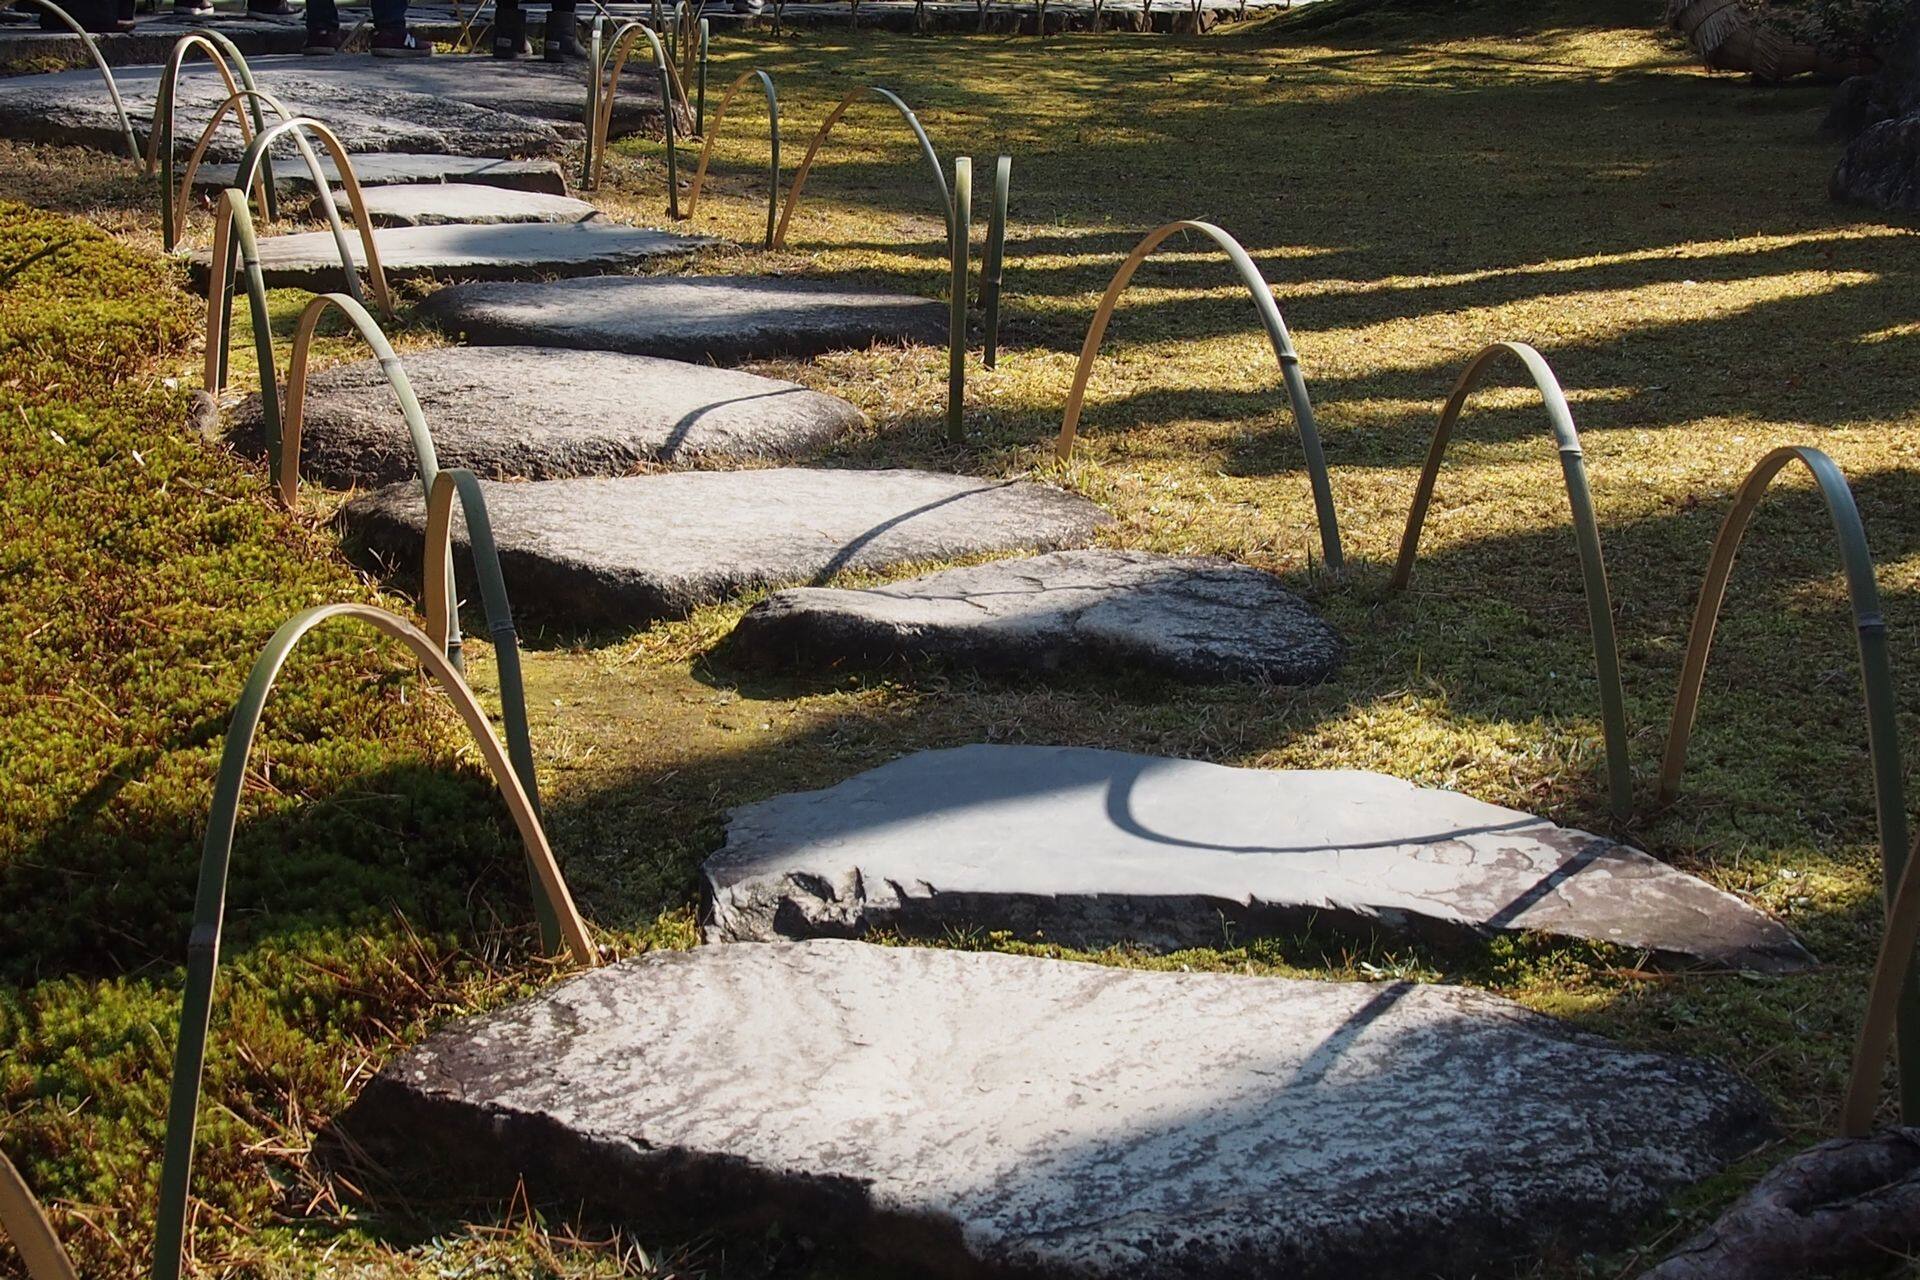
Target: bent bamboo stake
[(1586, 530), (773, 146), (1277, 335), (203, 946), (106, 73), (826, 127), (25, 1223)]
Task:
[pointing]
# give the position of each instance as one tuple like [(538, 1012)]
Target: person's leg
[(563, 36), (323, 27), (509, 30)]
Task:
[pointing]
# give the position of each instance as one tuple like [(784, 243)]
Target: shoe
[(400, 44), (323, 42), (270, 9), (192, 8), (561, 44)]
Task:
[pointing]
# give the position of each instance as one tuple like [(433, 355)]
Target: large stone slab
[(505, 251), (626, 550), (1198, 618), (463, 106), (722, 319), (1094, 847), (388, 168), (966, 1114), (542, 414), (439, 204)]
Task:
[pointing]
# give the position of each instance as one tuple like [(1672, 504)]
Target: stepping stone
[(718, 319), (463, 106), (540, 414), (458, 203), (387, 168), (311, 259), (1093, 848), (627, 550), (1191, 617), (978, 1114)]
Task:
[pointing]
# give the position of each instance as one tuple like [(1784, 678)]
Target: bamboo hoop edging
[(773, 140), (298, 128), (247, 131), (224, 56), (233, 236), (203, 946), (826, 127), (1593, 567), (993, 265), (1277, 335), (600, 104), (960, 232), (1892, 1012), (106, 74), (24, 1222)]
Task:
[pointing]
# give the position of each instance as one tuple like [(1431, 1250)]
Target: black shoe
[(192, 8), (270, 9), (324, 42), (561, 44)]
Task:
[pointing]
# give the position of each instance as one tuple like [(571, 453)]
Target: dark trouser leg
[(389, 15), (322, 16)]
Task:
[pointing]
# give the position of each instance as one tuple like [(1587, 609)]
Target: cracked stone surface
[(718, 319), (460, 106), (1092, 848), (626, 550), (311, 259), (968, 1114), (1198, 618), (434, 204), (542, 414), (387, 168)]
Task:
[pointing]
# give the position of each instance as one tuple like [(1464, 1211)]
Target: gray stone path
[(1092, 848), (969, 1114), (1197, 618), (722, 319), (475, 106), (439, 204), (633, 549), (546, 414), (387, 168), (311, 259)]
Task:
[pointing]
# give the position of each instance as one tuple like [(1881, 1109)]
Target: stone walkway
[(976, 1114), (1101, 848)]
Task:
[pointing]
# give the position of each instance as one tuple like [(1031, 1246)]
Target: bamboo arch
[(833, 117), (106, 73), (233, 236), (203, 947), (269, 205), (600, 103), (25, 1223), (1593, 566), (298, 127), (773, 146), (1282, 342), (224, 56), (1893, 997)]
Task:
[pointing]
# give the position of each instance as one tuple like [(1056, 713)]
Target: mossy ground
[(1414, 185)]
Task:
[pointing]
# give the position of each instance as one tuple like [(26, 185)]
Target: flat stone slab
[(389, 168), (476, 106), (970, 1114), (541, 414), (1197, 618), (632, 549), (718, 319), (443, 203), (1093, 848), (311, 259)]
